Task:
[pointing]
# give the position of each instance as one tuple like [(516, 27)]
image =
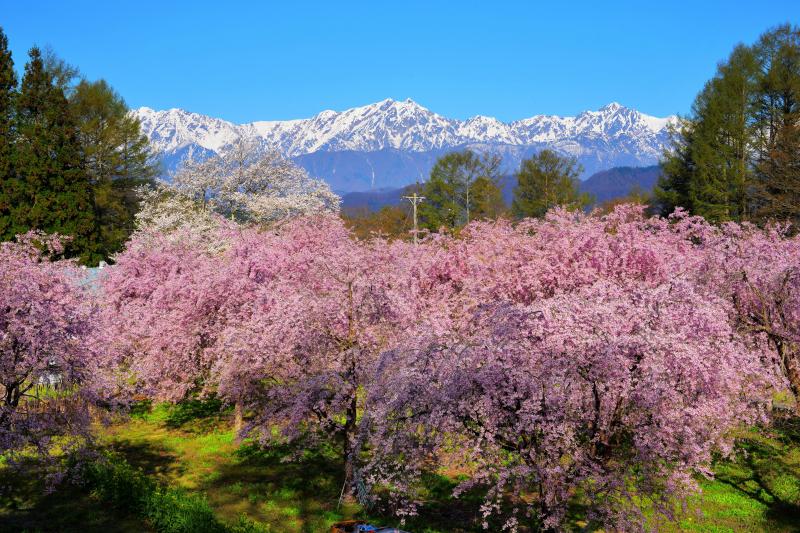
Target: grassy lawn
[(184, 448), (193, 447)]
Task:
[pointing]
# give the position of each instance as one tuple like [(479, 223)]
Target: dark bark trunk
[(544, 513), (238, 418), (349, 486), (791, 362), (349, 451)]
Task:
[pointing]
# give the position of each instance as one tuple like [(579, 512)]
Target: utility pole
[(415, 199), (467, 202)]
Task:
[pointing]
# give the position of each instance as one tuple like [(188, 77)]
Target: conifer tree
[(57, 195), (777, 165), (486, 199), (710, 191), (9, 184), (707, 170), (117, 157), (777, 195), (732, 159), (672, 189), (547, 180)]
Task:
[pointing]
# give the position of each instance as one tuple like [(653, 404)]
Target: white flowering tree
[(168, 211), (254, 186), (245, 184)]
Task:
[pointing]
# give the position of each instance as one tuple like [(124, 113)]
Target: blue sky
[(246, 61)]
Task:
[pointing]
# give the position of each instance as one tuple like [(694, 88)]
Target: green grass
[(196, 450), (191, 448)]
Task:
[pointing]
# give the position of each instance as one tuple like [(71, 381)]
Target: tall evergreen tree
[(57, 195), (707, 169), (544, 181), (672, 189), (117, 157), (729, 158), (778, 126), (711, 185), (10, 187), (486, 198), (778, 192), (463, 186)]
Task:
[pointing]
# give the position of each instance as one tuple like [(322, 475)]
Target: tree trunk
[(238, 418), (792, 365), (544, 514), (348, 491)]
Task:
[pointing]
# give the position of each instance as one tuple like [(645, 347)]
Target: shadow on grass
[(766, 467), (299, 491), (26, 505), (195, 411), (151, 459), (292, 488), (195, 415), (440, 511), (295, 492)]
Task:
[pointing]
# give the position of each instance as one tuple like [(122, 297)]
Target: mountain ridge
[(401, 139)]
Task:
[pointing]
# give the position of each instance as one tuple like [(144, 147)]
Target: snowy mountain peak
[(365, 138), (392, 124), (612, 107)]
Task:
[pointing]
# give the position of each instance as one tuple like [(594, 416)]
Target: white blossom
[(254, 186)]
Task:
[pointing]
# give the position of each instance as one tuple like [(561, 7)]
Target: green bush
[(168, 510), (114, 481), (174, 511)]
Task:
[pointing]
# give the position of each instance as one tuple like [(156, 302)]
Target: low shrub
[(168, 510)]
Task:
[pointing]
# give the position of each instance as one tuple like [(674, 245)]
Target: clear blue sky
[(246, 61)]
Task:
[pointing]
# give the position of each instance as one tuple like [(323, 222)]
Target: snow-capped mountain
[(393, 143)]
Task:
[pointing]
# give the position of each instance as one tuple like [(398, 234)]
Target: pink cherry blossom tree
[(618, 392), (578, 354), (306, 357), (602, 357), (164, 303), (758, 270), (48, 372)]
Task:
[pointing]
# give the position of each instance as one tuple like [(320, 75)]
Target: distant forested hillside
[(620, 181), (603, 186)]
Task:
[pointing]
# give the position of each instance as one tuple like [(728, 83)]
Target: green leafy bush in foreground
[(168, 510)]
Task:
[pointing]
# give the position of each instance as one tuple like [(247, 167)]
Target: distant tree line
[(71, 157), (465, 186), (737, 155)]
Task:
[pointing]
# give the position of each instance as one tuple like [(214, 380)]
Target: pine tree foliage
[(55, 194), (117, 156), (71, 157), (778, 192), (9, 184), (777, 167)]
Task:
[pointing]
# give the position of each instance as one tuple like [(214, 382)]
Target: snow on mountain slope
[(612, 135), (405, 126)]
